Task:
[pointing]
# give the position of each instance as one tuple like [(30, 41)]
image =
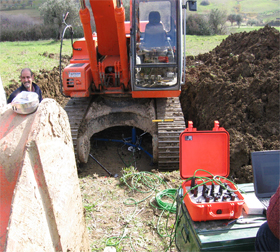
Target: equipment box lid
[(204, 150)]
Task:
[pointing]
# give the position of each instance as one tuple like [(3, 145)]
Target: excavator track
[(169, 132), (76, 109)]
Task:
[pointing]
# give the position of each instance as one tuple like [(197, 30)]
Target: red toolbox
[(205, 165)]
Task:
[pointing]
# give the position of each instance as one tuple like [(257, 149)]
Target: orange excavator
[(129, 73)]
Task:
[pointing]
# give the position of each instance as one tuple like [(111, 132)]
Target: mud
[(236, 83)]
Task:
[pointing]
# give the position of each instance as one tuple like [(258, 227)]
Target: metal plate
[(25, 102)]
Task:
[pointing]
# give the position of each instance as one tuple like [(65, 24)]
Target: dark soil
[(236, 83)]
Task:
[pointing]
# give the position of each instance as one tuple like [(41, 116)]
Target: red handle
[(229, 208)]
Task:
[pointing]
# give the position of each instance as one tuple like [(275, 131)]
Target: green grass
[(253, 6), (18, 55), (235, 29), (201, 44)]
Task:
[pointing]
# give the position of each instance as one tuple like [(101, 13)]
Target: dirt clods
[(237, 83)]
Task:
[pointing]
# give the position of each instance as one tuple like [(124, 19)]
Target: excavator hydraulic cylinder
[(85, 19), (120, 18)]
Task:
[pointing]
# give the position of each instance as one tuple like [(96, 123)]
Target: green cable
[(127, 165), (204, 171), (144, 179), (170, 193), (228, 181)]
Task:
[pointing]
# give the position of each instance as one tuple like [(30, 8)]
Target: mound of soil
[(237, 83)]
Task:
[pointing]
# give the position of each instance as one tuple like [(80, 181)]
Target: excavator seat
[(155, 35)]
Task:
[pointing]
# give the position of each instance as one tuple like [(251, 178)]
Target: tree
[(231, 18), (238, 20), (197, 25), (205, 3), (127, 12), (52, 12), (252, 22), (217, 20)]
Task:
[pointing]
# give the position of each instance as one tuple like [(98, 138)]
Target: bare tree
[(217, 20), (52, 12)]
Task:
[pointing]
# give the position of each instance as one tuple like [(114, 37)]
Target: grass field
[(201, 44), (18, 55), (246, 6), (21, 54), (33, 13)]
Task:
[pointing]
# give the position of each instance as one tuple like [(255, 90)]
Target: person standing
[(27, 84)]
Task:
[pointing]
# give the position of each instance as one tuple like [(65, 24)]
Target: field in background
[(21, 54), (264, 11), (268, 10), (33, 13), (201, 44), (18, 55)]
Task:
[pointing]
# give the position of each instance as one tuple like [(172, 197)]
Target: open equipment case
[(213, 235), (208, 201), (205, 157)]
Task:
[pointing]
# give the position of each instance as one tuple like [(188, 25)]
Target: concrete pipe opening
[(118, 147)]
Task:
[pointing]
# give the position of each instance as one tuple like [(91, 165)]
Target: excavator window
[(155, 34), (156, 51)]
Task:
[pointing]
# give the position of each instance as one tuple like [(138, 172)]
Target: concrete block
[(45, 206)]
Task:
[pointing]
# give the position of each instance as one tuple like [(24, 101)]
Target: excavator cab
[(157, 51), (145, 61)]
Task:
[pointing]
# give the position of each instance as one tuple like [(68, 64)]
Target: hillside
[(252, 9)]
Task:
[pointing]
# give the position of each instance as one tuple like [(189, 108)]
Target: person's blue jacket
[(22, 88)]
